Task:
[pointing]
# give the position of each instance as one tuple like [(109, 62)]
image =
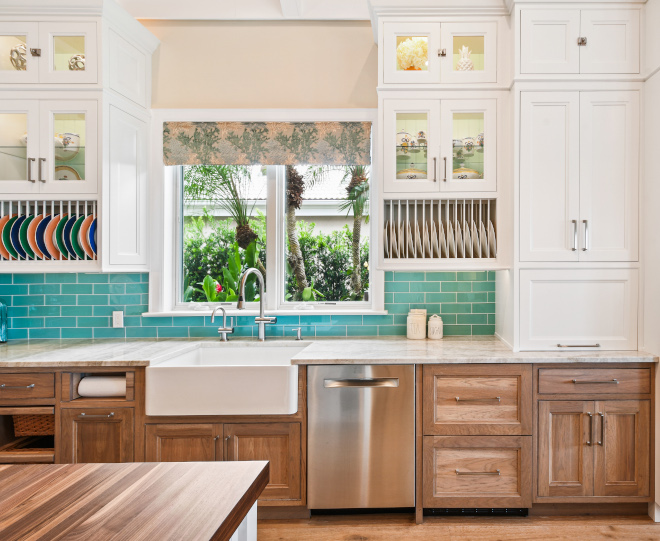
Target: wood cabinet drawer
[(477, 400), (477, 471), (27, 385), (594, 380)]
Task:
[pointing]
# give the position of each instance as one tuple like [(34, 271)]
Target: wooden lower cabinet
[(183, 443), (593, 449), (97, 435), (477, 471)]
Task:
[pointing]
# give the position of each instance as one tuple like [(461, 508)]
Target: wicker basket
[(34, 425)]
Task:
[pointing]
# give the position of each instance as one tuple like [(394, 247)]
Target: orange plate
[(3, 251), (82, 236), (48, 237), (32, 235)]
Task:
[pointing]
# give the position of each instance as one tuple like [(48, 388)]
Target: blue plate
[(15, 236), (67, 236), (41, 233), (92, 236)]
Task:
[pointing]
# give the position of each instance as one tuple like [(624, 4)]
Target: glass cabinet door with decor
[(468, 149), (468, 52), (411, 53), (18, 41), (411, 138), (19, 146), (68, 53), (68, 160)]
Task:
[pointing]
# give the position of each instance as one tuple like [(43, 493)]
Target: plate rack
[(439, 229), (74, 251)]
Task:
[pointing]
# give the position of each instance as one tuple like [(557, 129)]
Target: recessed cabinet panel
[(411, 53), (470, 52), (19, 146), (613, 41), (17, 64), (69, 53), (127, 69), (183, 443), (548, 41)]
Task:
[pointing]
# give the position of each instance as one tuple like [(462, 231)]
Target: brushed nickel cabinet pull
[(459, 399), (216, 438), (360, 382), (30, 160), (591, 427), (611, 382), (445, 179), (586, 235), (86, 416), (496, 472), (4, 386), (575, 236), (578, 345), (435, 169), (41, 178), (601, 442)]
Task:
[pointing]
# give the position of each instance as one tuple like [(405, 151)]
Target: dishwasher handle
[(360, 382)]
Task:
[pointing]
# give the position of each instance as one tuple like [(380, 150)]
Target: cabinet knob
[(582, 42), (442, 52), (35, 52)]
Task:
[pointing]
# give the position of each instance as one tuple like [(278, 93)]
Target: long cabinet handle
[(41, 177), (575, 236), (30, 160), (459, 399), (587, 382), (360, 382), (601, 442), (4, 386), (435, 169), (496, 472), (445, 177), (586, 235), (591, 427), (86, 416), (578, 345)]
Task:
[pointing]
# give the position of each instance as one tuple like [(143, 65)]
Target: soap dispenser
[(3, 322)]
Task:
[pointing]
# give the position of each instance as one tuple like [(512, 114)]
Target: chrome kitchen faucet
[(262, 320)]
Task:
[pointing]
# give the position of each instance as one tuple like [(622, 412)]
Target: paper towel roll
[(102, 386)]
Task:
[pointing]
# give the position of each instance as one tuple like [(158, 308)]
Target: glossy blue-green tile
[(329, 330), (17, 334), (485, 308), (491, 276), (315, 320), (136, 288), (107, 289), (121, 278), (377, 319), (472, 297), (449, 319), (100, 332), (125, 299), (389, 276), (401, 319), (39, 311), (397, 287), (483, 330), (145, 298), (483, 286), (43, 333), (409, 277), (92, 299), (392, 330), (450, 308), (478, 276), (132, 321), (9, 290), (61, 278), (77, 333), (29, 278), (101, 310), (141, 332), (408, 297), (276, 331), (94, 321), (441, 297), (77, 289), (389, 297), (156, 321), (6, 278), (136, 310), (144, 277), (491, 296), (84, 278), (27, 322), (362, 330), (61, 300), (243, 332), (172, 332), (18, 311), (191, 321), (430, 308), (472, 319), (346, 320), (27, 300), (61, 322), (491, 319), (201, 332), (45, 289), (288, 320), (448, 287), (77, 310), (457, 330), (441, 276), (397, 308), (244, 320), (424, 286)]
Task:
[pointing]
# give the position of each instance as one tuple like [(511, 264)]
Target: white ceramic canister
[(435, 327), (416, 327)]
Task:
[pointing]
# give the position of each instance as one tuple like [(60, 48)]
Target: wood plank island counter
[(139, 501)]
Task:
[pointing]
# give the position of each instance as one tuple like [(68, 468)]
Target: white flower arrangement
[(413, 53)]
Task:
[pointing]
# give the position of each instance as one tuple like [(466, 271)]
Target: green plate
[(59, 236), (6, 237), (22, 235), (74, 237)]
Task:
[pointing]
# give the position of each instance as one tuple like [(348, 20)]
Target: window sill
[(235, 312)]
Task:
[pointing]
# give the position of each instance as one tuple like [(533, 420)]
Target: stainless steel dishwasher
[(361, 436)]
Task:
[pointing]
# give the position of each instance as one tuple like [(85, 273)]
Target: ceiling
[(272, 10)]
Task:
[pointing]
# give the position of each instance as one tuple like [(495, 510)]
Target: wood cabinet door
[(548, 41), (279, 443), (613, 41), (565, 466), (622, 448), (97, 435), (183, 443)]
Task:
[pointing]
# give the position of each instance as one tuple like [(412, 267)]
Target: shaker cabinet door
[(183, 443), (17, 63), (613, 41), (548, 41)]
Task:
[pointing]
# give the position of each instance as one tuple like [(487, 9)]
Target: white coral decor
[(413, 53)]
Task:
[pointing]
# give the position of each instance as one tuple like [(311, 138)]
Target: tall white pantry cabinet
[(82, 72)]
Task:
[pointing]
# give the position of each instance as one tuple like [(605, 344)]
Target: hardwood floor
[(402, 527)]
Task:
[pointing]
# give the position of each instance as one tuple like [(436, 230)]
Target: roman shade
[(267, 143)]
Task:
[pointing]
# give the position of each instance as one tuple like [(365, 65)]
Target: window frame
[(165, 205)]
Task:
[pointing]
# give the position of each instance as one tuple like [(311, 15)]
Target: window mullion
[(273, 233)]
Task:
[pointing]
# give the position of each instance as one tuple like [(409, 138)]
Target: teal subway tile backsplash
[(80, 306)]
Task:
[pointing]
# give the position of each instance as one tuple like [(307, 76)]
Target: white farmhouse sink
[(224, 379)]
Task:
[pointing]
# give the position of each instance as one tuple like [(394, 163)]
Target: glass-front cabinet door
[(19, 146), (68, 53), (17, 43), (69, 147), (468, 52), (411, 133), (411, 53), (468, 145)]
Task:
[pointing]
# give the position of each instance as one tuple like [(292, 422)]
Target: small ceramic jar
[(435, 327), (416, 327)]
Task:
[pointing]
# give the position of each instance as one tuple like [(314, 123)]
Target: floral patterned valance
[(267, 143)]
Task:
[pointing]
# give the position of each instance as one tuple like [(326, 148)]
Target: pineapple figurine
[(464, 61)]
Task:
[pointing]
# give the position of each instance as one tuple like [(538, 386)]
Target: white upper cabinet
[(571, 41), (49, 52), (579, 176), (19, 146), (431, 53)]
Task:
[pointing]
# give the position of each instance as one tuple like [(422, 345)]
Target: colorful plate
[(14, 235), (83, 236), (3, 222), (74, 237), (49, 238), (40, 236), (66, 236), (32, 235), (64, 172), (23, 236), (58, 237), (92, 236)]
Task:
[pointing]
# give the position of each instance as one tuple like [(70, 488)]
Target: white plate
[(450, 240), (401, 240), (419, 249), (428, 249), (491, 239), (483, 238), (467, 238), (386, 239), (410, 241), (394, 243), (442, 240), (476, 252), (460, 247), (435, 245)]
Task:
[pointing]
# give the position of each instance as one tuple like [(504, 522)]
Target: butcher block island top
[(138, 501)]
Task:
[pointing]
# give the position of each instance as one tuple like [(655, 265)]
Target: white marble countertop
[(383, 350)]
